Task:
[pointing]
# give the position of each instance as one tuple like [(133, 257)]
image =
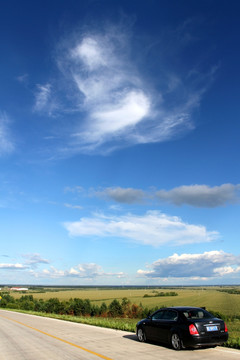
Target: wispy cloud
[(45, 99), (13, 266), (88, 271), (71, 206), (193, 195), (113, 95), (7, 145), (206, 265), (74, 189), (153, 228), (23, 78), (34, 260), (31, 261), (114, 101)]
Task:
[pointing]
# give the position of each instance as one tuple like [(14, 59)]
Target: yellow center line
[(57, 338)]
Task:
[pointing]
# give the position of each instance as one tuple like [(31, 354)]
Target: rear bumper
[(197, 341)]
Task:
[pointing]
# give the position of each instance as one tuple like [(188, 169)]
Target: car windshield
[(197, 314)]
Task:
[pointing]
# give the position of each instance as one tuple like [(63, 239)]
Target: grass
[(112, 323)]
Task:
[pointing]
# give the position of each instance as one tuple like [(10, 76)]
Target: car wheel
[(176, 342), (141, 335)]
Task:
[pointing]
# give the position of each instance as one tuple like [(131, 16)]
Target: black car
[(183, 327)]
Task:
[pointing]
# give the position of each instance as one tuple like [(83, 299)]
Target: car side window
[(158, 315), (170, 315)]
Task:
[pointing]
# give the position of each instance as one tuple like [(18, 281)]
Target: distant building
[(18, 289)]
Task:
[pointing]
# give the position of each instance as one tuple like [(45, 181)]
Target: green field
[(210, 297)]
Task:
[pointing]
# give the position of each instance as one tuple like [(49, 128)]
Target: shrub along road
[(31, 337)]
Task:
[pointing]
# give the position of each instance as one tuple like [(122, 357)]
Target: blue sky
[(119, 142)]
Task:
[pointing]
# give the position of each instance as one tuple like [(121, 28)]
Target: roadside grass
[(112, 323), (130, 324)]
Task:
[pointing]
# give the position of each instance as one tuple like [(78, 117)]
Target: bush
[(115, 309), (233, 343), (217, 314), (103, 309), (52, 305), (39, 305)]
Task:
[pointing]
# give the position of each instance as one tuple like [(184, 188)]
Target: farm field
[(213, 298)]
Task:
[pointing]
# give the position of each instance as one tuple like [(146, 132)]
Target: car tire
[(176, 342), (141, 335)]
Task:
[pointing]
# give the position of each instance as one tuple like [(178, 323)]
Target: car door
[(162, 323), (170, 318), (156, 326)]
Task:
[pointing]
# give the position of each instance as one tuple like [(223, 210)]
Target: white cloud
[(117, 103), (34, 259), (84, 271), (227, 270), (206, 265), (13, 266), (113, 97), (90, 52), (52, 273), (42, 96), (6, 142), (45, 99), (31, 262), (116, 118), (153, 228)]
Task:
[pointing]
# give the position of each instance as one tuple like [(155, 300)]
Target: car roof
[(182, 308)]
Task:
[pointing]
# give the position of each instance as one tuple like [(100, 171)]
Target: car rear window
[(197, 314)]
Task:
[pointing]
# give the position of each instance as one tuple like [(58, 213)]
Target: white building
[(18, 289)]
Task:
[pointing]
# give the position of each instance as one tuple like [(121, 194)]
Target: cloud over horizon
[(31, 261), (16, 266), (196, 266), (89, 271)]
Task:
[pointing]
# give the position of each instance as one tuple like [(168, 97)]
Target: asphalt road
[(31, 337)]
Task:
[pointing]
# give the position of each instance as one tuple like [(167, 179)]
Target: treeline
[(230, 291), (77, 307), (170, 293), (84, 307)]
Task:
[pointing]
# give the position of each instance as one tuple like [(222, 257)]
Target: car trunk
[(210, 329)]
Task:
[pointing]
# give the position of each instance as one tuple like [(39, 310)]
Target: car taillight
[(226, 329), (193, 330)]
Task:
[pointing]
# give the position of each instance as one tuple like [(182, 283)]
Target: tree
[(103, 309), (52, 306), (115, 309)]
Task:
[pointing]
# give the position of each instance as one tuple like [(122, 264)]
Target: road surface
[(31, 337)]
